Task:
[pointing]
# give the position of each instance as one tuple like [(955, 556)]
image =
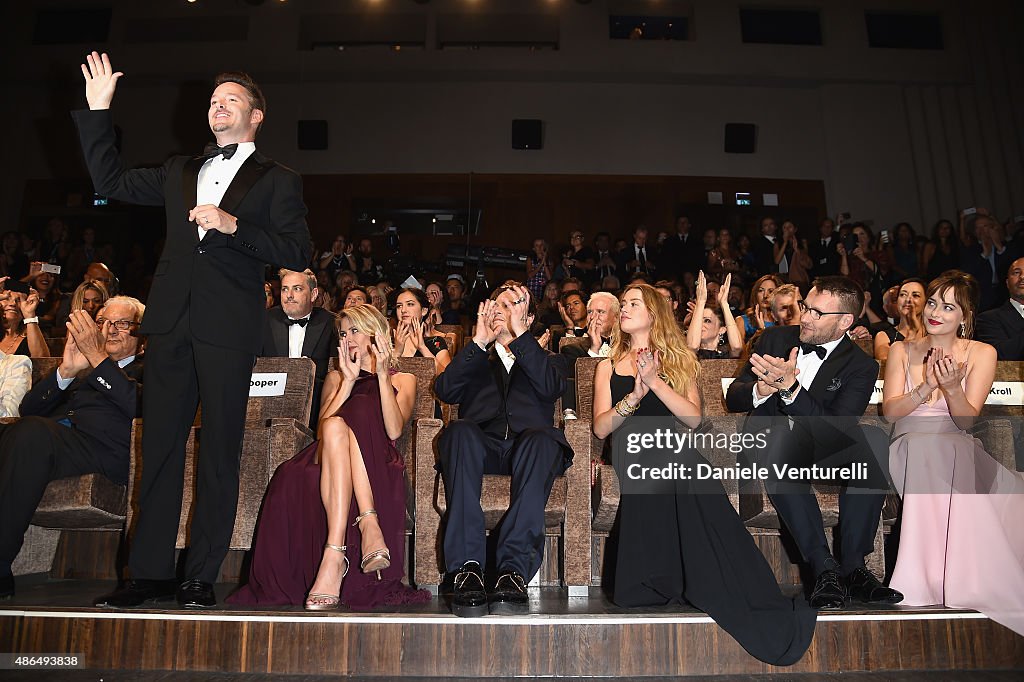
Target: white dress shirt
[(808, 364), (215, 176), (63, 383), (507, 358), (297, 336), (1018, 307)]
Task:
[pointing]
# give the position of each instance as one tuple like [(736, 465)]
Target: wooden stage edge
[(440, 645)]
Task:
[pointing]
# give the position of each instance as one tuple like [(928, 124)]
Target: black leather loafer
[(469, 599), (195, 594), (865, 587), (509, 595), (829, 592), (138, 592)]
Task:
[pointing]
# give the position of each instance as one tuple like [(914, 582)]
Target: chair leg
[(37, 552)]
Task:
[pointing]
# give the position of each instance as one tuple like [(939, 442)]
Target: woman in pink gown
[(344, 493), (962, 536)]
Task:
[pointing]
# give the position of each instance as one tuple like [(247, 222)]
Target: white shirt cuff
[(758, 400), (792, 398), (63, 383)]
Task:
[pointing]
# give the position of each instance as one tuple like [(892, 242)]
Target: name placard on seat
[(1006, 393), (267, 384)]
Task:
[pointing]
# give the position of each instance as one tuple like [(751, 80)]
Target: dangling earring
[(963, 329), (721, 339)]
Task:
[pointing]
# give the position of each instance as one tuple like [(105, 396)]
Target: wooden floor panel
[(559, 637)]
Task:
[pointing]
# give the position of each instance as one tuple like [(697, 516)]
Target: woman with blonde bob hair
[(355, 474), (680, 540)]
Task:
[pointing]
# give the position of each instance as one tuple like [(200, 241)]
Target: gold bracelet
[(624, 408)]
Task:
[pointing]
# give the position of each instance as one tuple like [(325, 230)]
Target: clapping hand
[(72, 361), (723, 293), (90, 339), (348, 360), (702, 289), (380, 355), (485, 332), (28, 304)]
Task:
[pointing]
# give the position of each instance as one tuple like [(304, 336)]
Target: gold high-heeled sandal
[(377, 560), (333, 600)]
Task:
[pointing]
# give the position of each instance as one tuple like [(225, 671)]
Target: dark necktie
[(643, 259), (301, 323), (211, 150), (809, 348)]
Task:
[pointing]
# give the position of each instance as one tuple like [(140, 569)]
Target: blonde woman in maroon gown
[(344, 494)]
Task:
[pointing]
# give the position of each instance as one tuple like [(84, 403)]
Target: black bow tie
[(211, 150), (301, 323), (809, 348)]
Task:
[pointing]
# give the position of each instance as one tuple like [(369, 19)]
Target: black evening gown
[(689, 548)]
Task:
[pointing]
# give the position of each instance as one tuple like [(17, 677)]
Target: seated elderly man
[(602, 320), (76, 421)]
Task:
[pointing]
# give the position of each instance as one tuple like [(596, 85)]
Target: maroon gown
[(292, 527)]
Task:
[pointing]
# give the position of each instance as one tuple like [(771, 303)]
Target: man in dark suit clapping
[(76, 421), (811, 384), (506, 394), (297, 329), (1003, 327), (230, 212)]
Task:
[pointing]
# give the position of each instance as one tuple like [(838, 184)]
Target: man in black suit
[(823, 253), (77, 421), (811, 384), (230, 212), (763, 247), (296, 329), (637, 258), (988, 260), (506, 395), (602, 320), (682, 251), (1003, 327)]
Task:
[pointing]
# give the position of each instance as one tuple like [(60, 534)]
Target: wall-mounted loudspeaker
[(313, 134), (527, 133), (740, 138)]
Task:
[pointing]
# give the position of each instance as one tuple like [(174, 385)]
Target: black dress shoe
[(469, 599), (195, 594), (865, 587), (509, 595), (137, 593), (6, 586), (829, 592)]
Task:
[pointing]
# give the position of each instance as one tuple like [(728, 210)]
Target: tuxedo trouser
[(533, 459), (181, 373), (33, 452), (859, 515)]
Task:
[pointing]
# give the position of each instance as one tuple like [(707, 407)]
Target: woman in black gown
[(685, 544)]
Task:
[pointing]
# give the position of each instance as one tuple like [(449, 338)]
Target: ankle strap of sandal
[(368, 512), (336, 548)]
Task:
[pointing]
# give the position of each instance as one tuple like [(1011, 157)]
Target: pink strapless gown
[(962, 535)]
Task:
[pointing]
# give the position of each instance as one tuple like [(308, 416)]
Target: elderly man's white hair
[(610, 299)]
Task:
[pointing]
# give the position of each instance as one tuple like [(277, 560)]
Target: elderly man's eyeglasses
[(814, 312), (120, 325)]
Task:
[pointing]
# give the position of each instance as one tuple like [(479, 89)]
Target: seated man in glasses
[(805, 387), (76, 421)]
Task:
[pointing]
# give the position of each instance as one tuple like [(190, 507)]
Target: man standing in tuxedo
[(506, 394), (76, 421), (683, 251), (823, 251), (764, 247), (296, 329), (811, 385), (1003, 327), (230, 212), (637, 258)]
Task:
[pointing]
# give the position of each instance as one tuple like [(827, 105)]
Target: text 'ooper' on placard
[(267, 384)]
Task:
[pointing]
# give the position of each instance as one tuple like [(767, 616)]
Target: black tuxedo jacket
[(825, 258), (488, 395), (764, 255), (100, 404), (837, 397), (677, 256), (992, 295), (320, 344), (220, 279), (1003, 327), (628, 254)]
